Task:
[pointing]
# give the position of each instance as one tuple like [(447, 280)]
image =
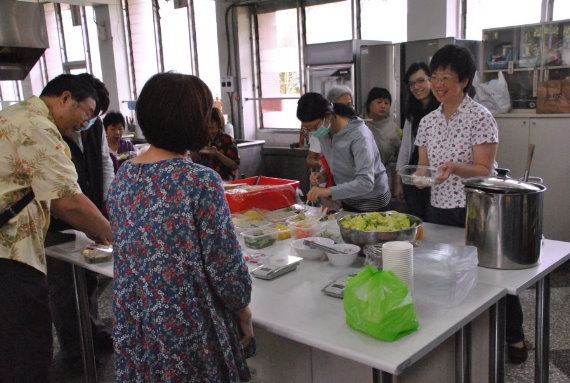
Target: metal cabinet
[(527, 54), (551, 136)]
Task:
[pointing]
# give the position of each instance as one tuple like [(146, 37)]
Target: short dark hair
[(375, 93), (217, 117), (78, 87), (414, 110), (458, 59), (103, 100), (312, 106), (172, 111), (113, 118)]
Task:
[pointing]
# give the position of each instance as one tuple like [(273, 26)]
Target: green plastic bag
[(379, 304)]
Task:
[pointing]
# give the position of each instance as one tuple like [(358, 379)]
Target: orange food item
[(420, 234)]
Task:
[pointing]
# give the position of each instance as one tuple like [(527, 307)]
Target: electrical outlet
[(227, 83)]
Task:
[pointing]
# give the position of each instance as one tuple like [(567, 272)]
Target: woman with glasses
[(460, 137), (419, 102)]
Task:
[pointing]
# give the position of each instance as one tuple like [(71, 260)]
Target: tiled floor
[(559, 337)]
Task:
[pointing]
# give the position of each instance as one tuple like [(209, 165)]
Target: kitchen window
[(280, 80), (484, 14)]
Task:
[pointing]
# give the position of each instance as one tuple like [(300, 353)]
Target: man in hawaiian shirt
[(35, 157)]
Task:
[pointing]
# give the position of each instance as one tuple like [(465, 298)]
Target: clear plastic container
[(310, 227), (418, 175), (260, 238), (444, 274), (283, 230)]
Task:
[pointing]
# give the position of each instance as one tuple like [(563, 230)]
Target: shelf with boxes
[(528, 55)]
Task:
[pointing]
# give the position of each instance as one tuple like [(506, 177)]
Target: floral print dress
[(228, 146), (179, 276)]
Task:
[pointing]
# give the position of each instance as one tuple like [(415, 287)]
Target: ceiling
[(76, 2)]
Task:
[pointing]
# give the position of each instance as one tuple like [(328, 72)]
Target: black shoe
[(103, 343), (517, 355)]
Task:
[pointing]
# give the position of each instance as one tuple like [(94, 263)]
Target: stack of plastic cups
[(398, 257)]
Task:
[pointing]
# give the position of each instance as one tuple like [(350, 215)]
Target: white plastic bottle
[(229, 128)]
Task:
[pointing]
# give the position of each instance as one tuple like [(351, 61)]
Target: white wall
[(430, 19), (113, 51)]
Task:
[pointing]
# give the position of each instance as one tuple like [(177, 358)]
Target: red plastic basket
[(275, 193)]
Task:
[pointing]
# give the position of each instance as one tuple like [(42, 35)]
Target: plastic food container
[(310, 227), (98, 253), (283, 230), (259, 238), (418, 175)]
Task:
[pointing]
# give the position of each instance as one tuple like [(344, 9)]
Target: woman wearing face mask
[(351, 152)]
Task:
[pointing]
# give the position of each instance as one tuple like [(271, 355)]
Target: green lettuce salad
[(391, 221)]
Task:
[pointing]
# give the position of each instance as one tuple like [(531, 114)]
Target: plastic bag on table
[(444, 274), (494, 95), (378, 304)]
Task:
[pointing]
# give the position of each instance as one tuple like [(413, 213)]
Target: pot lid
[(502, 184)]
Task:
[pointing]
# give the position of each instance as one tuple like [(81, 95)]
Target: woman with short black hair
[(181, 287), (351, 153)]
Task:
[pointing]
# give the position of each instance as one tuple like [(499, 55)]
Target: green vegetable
[(259, 240), (377, 222)]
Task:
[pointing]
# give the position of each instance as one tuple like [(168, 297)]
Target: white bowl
[(347, 256), (308, 253)]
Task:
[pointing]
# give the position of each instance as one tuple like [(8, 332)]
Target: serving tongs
[(314, 245)]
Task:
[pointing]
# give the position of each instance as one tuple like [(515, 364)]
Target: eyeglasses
[(312, 125), (419, 81), (446, 80), (88, 112)]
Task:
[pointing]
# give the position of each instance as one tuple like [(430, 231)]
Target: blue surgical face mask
[(89, 125), (322, 131)]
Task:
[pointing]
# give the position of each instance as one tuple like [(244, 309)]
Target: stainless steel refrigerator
[(385, 65), (332, 64)]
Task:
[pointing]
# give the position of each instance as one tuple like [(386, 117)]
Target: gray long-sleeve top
[(407, 146), (355, 162)]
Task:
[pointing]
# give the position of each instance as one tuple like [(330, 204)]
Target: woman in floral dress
[(221, 152), (181, 287)]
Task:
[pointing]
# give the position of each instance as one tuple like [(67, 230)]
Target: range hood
[(23, 38)]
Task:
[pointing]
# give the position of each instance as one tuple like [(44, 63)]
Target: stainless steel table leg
[(542, 330), (89, 364), (497, 327), (381, 376), (463, 355)]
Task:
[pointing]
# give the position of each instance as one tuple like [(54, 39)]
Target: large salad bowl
[(373, 234)]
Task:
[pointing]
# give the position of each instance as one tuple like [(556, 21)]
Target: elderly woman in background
[(181, 286), (354, 160), (120, 149), (221, 152), (386, 132)]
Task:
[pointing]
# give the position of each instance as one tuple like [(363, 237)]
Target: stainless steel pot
[(504, 220)]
